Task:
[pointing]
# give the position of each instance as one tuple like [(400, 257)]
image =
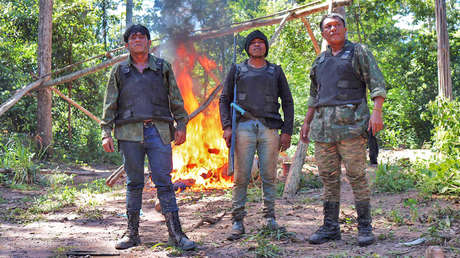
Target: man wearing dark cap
[(142, 101), (260, 84), (338, 120)]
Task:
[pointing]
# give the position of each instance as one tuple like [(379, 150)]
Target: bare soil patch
[(95, 230)]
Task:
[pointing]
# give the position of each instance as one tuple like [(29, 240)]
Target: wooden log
[(278, 30), (75, 104), (267, 22), (18, 95), (113, 178), (293, 178), (312, 36)]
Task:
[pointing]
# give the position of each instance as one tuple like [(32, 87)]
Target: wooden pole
[(63, 79), (312, 36), (278, 30), (444, 78), (75, 104)]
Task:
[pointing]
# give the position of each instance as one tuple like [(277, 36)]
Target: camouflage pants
[(329, 157)]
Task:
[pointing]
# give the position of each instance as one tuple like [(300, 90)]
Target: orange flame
[(202, 159)]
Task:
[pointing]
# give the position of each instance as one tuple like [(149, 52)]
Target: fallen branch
[(210, 220), (18, 95)]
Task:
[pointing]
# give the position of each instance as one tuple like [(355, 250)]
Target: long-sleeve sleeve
[(226, 98), (287, 104), (109, 111), (175, 98), (370, 72)]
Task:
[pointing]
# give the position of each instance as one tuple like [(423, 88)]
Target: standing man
[(337, 120), (142, 100), (259, 85)]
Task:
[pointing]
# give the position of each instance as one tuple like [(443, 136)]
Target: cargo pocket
[(345, 114)]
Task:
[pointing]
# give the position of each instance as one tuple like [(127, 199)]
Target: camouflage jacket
[(134, 131), (336, 123)]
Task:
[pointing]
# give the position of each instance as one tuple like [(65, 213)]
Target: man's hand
[(107, 144), (375, 122), (228, 136), (304, 133), (285, 141), (179, 137)]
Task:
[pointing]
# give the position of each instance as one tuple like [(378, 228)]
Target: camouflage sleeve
[(175, 98), (312, 101), (367, 67), (110, 103)]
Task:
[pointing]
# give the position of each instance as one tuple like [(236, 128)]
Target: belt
[(148, 123)]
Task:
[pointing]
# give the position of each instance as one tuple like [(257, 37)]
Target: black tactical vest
[(337, 82), (257, 90), (142, 96)]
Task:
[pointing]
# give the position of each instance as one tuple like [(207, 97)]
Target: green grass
[(393, 178)]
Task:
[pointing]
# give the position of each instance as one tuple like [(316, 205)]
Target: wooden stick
[(75, 104), (113, 178), (18, 95), (278, 30), (207, 102), (312, 36), (267, 22)]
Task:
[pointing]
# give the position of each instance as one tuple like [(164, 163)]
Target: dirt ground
[(68, 232)]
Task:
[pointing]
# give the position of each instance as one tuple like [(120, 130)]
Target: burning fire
[(201, 162)]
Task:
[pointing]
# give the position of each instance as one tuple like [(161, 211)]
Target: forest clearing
[(89, 220)]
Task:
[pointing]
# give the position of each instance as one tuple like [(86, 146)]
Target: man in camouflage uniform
[(260, 85), (338, 119), (142, 101)]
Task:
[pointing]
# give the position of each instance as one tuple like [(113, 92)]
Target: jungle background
[(400, 33)]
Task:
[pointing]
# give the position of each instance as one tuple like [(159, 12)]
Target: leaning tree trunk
[(44, 121), (444, 79), (293, 178)]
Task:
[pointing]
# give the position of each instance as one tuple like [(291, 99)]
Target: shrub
[(393, 178)]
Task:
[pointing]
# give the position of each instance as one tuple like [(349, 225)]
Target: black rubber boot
[(365, 235), (237, 230), (330, 230), (131, 236), (176, 236)]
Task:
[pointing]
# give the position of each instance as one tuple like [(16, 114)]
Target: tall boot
[(365, 235), (330, 230), (131, 236), (176, 236)]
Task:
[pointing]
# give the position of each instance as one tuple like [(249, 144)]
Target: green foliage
[(445, 115), (309, 181), (263, 239), (393, 178), (440, 177), (17, 155), (62, 194)]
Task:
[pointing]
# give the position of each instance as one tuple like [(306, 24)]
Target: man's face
[(333, 31), (257, 48), (138, 43)]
